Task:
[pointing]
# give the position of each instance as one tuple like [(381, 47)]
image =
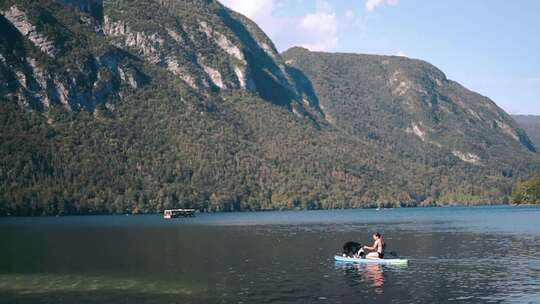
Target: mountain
[(410, 106), (136, 106), (84, 53), (531, 125)]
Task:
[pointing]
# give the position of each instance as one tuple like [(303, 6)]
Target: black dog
[(353, 249)]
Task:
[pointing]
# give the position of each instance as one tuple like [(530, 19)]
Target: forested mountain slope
[(531, 125), (411, 106), (136, 106)]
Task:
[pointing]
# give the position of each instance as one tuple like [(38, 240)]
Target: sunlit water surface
[(456, 255)]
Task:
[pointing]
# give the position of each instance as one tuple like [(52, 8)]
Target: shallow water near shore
[(456, 255)]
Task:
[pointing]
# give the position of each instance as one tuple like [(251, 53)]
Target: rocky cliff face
[(201, 43), (237, 54), (39, 67), (21, 22)]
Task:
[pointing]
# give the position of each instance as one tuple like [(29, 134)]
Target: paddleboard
[(371, 261)]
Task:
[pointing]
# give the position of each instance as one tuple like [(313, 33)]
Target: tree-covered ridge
[(527, 192), (410, 106), (224, 159), (531, 125)]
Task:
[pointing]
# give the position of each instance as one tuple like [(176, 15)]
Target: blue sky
[(489, 46)]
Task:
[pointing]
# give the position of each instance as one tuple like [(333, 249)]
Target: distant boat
[(175, 213)]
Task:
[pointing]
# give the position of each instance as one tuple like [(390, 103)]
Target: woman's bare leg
[(372, 256)]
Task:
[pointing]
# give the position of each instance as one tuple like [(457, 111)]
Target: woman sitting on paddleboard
[(378, 247)]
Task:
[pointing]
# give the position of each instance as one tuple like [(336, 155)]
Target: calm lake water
[(456, 255)]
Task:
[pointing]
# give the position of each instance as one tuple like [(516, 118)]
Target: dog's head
[(352, 248), (361, 252)]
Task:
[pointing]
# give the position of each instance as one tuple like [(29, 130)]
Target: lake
[(456, 255)]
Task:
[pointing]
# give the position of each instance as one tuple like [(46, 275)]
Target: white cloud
[(251, 8), (316, 30), (321, 31), (371, 5), (349, 14), (401, 53), (260, 11)]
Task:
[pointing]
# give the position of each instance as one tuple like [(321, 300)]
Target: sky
[(489, 46)]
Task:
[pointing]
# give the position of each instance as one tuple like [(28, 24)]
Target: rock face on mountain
[(44, 63), (531, 125), (201, 43), (135, 106), (410, 105)]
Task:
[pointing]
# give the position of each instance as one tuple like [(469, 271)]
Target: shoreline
[(282, 210)]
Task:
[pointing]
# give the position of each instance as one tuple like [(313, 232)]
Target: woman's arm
[(373, 247)]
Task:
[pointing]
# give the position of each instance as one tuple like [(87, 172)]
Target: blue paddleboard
[(371, 261)]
